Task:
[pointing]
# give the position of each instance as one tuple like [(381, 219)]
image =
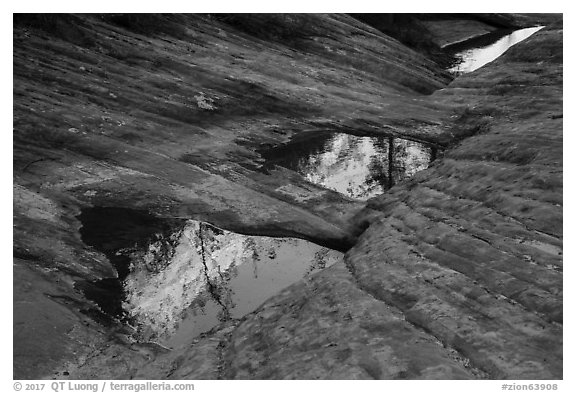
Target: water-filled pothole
[(116, 232), (360, 167), (214, 275), (178, 278), (475, 53)]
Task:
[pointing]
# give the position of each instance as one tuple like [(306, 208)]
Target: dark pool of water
[(358, 166), (179, 278), (216, 275), (475, 53), (115, 231)]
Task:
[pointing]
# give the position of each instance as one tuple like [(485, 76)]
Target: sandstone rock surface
[(453, 274)]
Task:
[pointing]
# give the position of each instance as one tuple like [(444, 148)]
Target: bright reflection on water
[(360, 167), (474, 58), (212, 275)]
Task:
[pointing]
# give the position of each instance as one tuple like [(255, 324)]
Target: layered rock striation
[(455, 273)]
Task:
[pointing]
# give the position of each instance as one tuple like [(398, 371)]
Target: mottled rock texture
[(468, 253), (456, 273)]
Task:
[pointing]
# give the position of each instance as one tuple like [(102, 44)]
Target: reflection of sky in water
[(472, 59), (359, 167), (243, 271)]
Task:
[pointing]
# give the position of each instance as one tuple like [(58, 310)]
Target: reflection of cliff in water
[(360, 167), (187, 283)]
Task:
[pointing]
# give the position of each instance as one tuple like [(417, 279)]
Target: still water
[(177, 278), (189, 282), (474, 58), (360, 167)]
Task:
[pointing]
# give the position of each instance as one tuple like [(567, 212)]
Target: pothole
[(179, 279), (116, 232), (475, 53), (360, 167)]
